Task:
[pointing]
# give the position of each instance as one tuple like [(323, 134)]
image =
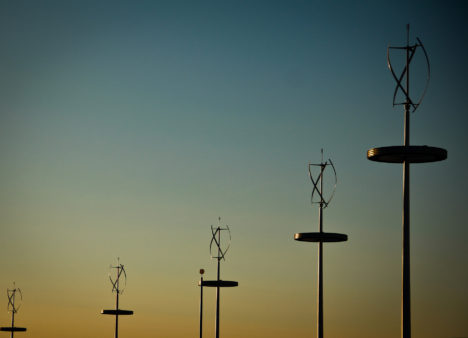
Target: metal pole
[(13, 318), (406, 289), (217, 287), (117, 305), (320, 265), (201, 306)]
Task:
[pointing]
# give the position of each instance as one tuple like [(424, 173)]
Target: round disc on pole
[(12, 329), (320, 237), (221, 283), (117, 312), (412, 154)]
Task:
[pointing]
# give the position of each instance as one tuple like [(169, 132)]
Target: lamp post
[(202, 271)]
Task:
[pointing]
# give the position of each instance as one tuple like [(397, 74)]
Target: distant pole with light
[(202, 271), (13, 307), (406, 155), (116, 286)]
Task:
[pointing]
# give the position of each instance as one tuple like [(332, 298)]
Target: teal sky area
[(128, 127)]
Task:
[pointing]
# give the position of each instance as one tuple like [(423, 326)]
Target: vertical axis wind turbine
[(116, 286), (219, 255), (320, 236), (406, 155), (13, 307)]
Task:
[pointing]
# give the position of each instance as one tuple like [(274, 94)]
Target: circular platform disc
[(320, 237), (412, 154), (117, 312), (221, 283), (11, 329)]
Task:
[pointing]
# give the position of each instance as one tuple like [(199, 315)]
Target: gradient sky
[(128, 127)]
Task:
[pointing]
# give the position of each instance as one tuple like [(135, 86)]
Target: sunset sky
[(128, 127)]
